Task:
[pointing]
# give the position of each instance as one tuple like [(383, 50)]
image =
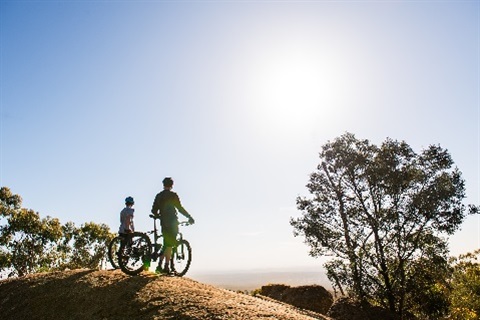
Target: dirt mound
[(347, 309), (89, 294), (315, 298)]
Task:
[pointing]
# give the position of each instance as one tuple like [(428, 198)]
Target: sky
[(100, 100)]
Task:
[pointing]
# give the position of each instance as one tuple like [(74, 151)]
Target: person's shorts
[(170, 233)]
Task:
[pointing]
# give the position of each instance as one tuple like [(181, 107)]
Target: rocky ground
[(104, 295)]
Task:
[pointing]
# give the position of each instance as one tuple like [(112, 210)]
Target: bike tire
[(181, 258), (114, 251), (134, 252)]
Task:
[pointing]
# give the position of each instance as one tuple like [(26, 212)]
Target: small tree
[(426, 292), (33, 244), (29, 244), (380, 211), (88, 245), (9, 203), (465, 287)]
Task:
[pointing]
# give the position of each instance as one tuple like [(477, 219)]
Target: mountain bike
[(137, 251)]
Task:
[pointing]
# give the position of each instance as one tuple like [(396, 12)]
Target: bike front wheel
[(114, 251), (181, 258), (134, 253)]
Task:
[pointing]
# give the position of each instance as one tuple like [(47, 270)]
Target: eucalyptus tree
[(30, 244), (381, 212), (27, 242)]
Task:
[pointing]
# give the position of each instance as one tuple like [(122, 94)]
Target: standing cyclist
[(126, 217), (165, 207)]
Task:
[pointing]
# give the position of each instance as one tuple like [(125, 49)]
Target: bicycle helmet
[(167, 182), (129, 200)]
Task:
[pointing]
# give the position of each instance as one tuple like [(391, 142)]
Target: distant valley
[(251, 280)]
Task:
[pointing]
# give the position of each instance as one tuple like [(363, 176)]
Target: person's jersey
[(167, 202), (126, 220)]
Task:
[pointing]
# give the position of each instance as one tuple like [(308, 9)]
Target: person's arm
[(131, 226), (155, 206), (183, 211)]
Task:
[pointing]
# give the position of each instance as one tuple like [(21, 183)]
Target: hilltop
[(110, 294)]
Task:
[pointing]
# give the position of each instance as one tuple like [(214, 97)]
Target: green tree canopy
[(465, 287), (88, 245), (381, 212), (30, 244)]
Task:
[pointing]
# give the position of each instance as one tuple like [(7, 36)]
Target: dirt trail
[(104, 295)]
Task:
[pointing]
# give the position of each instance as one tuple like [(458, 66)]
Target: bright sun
[(293, 89)]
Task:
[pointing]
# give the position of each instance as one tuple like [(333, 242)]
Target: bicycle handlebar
[(180, 223)]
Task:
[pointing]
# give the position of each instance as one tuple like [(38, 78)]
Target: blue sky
[(233, 99)]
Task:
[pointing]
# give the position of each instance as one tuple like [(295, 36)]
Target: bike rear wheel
[(181, 258), (114, 251), (134, 253)]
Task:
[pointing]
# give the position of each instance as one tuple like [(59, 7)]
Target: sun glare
[(295, 89)]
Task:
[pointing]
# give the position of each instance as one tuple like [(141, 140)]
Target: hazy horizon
[(249, 280)]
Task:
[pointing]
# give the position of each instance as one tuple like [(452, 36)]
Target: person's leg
[(169, 240), (160, 260), (163, 255), (168, 255)]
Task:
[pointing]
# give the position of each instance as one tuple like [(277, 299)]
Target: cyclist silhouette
[(165, 207), (126, 217)]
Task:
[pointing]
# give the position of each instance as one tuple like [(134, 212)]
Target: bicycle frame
[(158, 246)]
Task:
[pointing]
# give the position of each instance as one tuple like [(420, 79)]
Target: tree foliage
[(30, 244), (381, 212), (88, 245), (465, 287)]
